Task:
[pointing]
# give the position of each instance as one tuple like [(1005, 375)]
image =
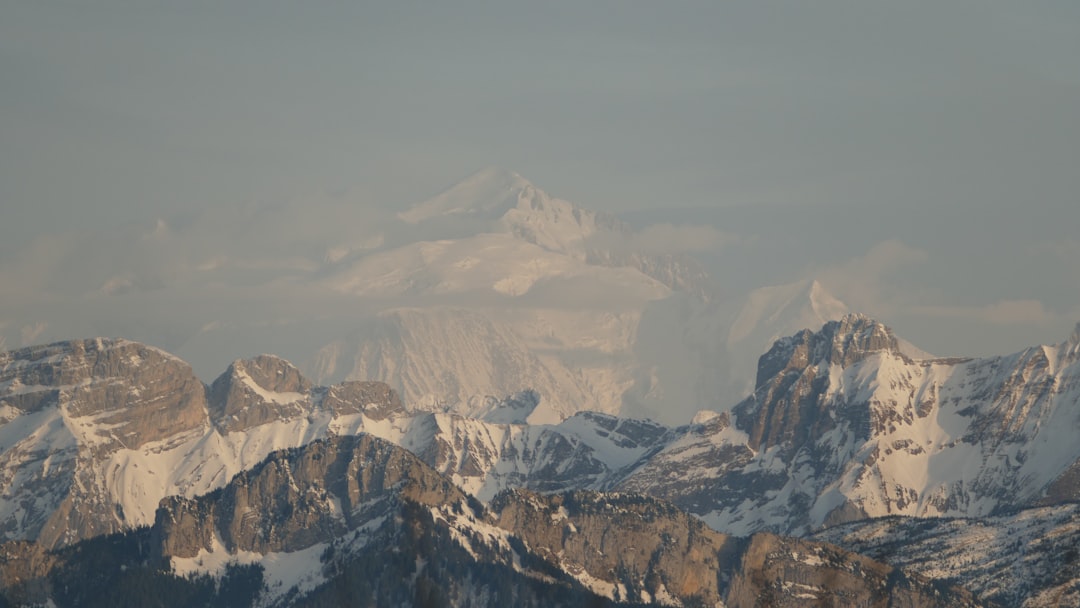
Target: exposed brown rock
[(256, 391), (106, 395), (299, 497), (375, 399), (143, 393), (779, 571)]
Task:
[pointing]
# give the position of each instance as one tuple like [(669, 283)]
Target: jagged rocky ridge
[(1029, 558), (359, 518), (843, 425), (889, 435), (97, 432)]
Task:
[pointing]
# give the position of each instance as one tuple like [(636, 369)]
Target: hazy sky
[(889, 119)]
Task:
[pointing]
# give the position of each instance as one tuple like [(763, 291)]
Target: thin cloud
[(864, 282)]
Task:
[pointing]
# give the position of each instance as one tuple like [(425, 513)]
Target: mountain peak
[(486, 194), (783, 310), (256, 391), (842, 342), (856, 335)]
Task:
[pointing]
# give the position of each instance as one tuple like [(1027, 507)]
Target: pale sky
[(933, 146)]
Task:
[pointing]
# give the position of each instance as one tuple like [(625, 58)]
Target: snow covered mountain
[(356, 519), (843, 425), (96, 433), (542, 294), (548, 296), (454, 359), (488, 193), (503, 201), (589, 312), (1027, 558)]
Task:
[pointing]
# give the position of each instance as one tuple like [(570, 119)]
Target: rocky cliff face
[(624, 547), (635, 547), (97, 433), (1028, 558), (786, 409), (68, 406), (256, 391), (300, 497), (359, 520), (779, 571), (843, 425)]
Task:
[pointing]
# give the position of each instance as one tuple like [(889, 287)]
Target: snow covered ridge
[(357, 520), (843, 425), (96, 433)]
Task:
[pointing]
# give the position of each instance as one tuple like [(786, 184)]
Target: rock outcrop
[(844, 425), (256, 391), (300, 497), (627, 548), (66, 407)]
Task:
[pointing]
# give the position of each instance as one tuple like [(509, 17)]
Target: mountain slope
[(359, 520), (843, 425), (1028, 558), (488, 192), (445, 359), (67, 408), (97, 432)]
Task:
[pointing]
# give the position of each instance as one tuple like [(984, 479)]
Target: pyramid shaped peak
[(487, 193), (843, 342), (269, 372), (769, 313), (823, 302), (258, 390)]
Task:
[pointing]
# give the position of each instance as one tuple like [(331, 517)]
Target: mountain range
[(847, 438), (586, 310)]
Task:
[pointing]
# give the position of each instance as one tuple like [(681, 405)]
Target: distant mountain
[(545, 296), (589, 312), (454, 360), (565, 305), (488, 193)]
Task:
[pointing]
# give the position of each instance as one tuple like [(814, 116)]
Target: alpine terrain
[(493, 287), (266, 481)]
